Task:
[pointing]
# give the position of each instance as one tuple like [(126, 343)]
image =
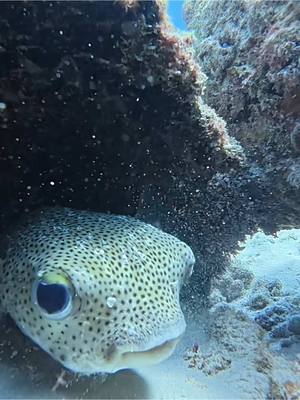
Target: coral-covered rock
[(253, 336), (259, 301), (250, 51), (294, 324)]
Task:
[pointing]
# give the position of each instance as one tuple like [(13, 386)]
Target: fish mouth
[(153, 351), (135, 359), (118, 360)]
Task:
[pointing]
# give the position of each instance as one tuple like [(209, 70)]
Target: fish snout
[(134, 350)]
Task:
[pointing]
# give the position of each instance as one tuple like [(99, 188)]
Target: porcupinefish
[(98, 292)]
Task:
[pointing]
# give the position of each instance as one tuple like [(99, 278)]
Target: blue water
[(175, 11)]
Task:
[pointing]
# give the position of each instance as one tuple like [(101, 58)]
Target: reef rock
[(253, 335), (250, 52)]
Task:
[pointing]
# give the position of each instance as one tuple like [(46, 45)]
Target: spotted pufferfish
[(98, 292)]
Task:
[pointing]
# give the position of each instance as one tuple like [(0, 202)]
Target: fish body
[(97, 292)]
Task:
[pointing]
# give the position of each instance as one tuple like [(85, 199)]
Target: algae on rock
[(250, 52)]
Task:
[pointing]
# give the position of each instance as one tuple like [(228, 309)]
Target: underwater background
[(184, 115)]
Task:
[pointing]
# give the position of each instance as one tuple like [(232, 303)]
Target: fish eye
[(53, 294)]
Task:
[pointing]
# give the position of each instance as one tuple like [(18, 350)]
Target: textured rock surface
[(250, 52), (272, 298)]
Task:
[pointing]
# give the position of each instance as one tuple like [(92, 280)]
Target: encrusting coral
[(250, 51)]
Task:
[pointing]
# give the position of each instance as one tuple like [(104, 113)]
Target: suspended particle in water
[(2, 106)]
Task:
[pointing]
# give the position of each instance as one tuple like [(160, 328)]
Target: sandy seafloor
[(27, 372), (33, 374)]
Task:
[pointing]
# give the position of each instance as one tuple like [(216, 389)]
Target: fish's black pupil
[(52, 297)]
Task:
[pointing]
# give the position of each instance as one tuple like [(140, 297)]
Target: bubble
[(111, 301)]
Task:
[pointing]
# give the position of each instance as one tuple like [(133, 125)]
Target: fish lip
[(124, 358), (170, 332), (153, 355), (149, 349)]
